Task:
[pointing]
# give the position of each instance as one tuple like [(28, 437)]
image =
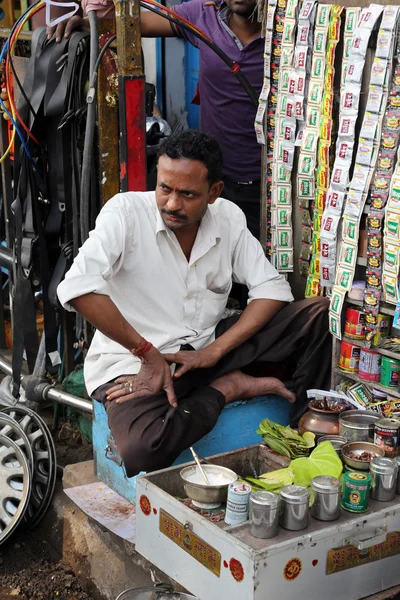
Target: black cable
[(102, 52), (13, 29), (233, 66), (16, 79)]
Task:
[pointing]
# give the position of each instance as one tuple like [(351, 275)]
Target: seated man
[(154, 279)]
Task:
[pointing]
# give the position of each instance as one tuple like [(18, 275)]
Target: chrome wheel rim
[(44, 461), (15, 486)]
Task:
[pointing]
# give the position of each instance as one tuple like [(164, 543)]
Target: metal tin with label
[(355, 491), (354, 326), (383, 479), (386, 436), (370, 365), (237, 504), (349, 357), (390, 372)]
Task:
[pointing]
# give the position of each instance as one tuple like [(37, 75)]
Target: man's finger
[(121, 379), (169, 390), (49, 32), (181, 371), (170, 358)]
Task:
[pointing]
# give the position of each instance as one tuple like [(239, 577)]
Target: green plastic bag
[(323, 460), (74, 384)]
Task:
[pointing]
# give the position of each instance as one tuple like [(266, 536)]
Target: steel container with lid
[(326, 496), (358, 425), (383, 473), (397, 459), (337, 441), (264, 514), (295, 507)]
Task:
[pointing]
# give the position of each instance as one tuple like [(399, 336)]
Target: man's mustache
[(174, 213)]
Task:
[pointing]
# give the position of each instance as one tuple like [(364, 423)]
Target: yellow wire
[(7, 152)]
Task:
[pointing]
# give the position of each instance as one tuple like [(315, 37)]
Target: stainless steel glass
[(326, 498), (264, 514), (383, 479), (295, 509)]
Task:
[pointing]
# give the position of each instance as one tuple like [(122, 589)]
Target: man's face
[(183, 191), (244, 8)]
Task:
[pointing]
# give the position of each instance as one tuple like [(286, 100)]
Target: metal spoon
[(196, 458)]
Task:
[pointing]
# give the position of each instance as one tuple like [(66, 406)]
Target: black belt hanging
[(46, 205)]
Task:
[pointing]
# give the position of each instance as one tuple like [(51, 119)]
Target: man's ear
[(215, 191)]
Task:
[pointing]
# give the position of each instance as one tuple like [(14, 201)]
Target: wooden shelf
[(361, 344), (372, 384), (384, 307)]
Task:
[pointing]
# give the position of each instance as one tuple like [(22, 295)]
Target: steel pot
[(358, 425)]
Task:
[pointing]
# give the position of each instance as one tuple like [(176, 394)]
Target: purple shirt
[(226, 110)]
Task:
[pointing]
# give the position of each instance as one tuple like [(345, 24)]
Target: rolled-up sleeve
[(252, 268), (98, 259)]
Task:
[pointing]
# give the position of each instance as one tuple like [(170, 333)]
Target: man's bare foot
[(238, 386)]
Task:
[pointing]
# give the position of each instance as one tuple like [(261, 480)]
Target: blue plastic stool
[(235, 428)]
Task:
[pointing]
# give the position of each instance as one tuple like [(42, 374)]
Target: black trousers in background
[(150, 434), (247, 197)]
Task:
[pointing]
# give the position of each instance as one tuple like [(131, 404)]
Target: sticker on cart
[(348, 557), (205, 554), (292, 569), (236, 569), (145, 505)]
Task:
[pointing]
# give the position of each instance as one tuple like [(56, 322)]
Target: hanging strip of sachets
[(319, 131), (275, 24), (366, 149), (289, 122), (378, 253), (345, 148)]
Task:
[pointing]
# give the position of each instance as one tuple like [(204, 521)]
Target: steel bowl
[(358, 448), (203, 494)]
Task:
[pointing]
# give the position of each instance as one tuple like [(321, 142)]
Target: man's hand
[(196, 359), (153, 377), (65, 28)]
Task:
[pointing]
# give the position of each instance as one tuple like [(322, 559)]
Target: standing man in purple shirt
[(226, 111)]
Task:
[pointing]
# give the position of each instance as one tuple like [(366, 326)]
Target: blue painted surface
[(191, 79), (235, 428)]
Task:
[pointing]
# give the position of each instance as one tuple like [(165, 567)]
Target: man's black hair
[(195, 145)]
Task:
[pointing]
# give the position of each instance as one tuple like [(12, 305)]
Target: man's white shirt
[(135, 259)]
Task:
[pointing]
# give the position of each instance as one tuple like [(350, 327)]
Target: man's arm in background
[(151, 25)]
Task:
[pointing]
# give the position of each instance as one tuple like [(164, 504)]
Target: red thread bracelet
[(143, 348)]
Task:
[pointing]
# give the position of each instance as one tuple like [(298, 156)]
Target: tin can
[(355, 491), (264, 514), (383, 322), (386, 436), (354, 326), (370, 365), (349, 357), (390, 372), (237, 503)]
